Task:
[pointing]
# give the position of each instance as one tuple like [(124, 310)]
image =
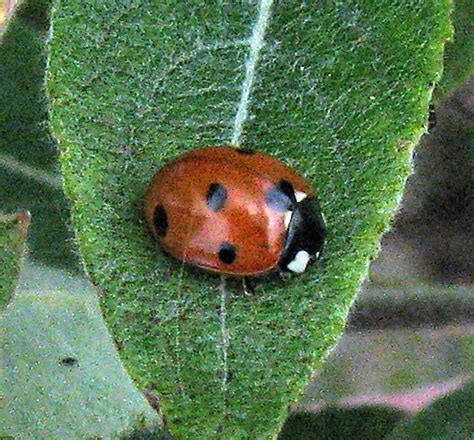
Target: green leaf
[(61, 376), (458, 57), (448, 418), (13, 232), (29, 175), (337, 90), (363, 423)]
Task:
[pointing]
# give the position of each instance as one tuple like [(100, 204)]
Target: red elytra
[(235, 212)]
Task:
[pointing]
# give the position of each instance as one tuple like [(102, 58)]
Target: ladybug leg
[(249, 289)]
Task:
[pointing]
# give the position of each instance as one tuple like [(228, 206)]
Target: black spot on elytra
[(245, 151), (216, 197), (227, 253), (161, 220), (282, 197)]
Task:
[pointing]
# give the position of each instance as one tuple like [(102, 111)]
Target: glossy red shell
[(195, 233)]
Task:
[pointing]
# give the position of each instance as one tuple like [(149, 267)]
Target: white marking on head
[(288, 215), (300, 262), (300, 196)]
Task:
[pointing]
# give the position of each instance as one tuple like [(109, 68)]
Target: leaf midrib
[(256, 43)]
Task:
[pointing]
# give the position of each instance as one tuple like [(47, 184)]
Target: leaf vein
[(256, 44)]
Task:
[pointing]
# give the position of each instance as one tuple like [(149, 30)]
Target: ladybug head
[(305, 236)]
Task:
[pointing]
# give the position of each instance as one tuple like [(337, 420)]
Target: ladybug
[(235, 212)]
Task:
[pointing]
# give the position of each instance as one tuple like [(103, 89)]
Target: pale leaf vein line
[(256, 44), (224, 335)]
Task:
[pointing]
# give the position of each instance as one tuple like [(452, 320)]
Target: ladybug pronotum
[(235, 212)]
